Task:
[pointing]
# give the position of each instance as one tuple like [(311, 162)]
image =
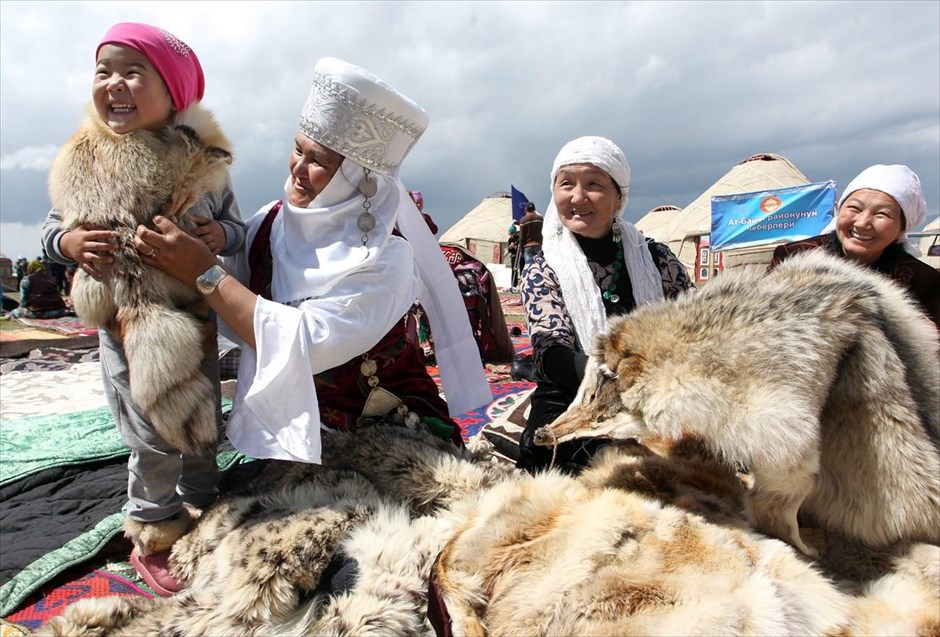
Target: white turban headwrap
[(903, 185), (561, 250)]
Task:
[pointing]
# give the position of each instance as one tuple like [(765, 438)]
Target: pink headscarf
[(176, 63)]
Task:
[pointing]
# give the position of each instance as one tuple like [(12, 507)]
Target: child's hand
[(91, 246), (211, 232)]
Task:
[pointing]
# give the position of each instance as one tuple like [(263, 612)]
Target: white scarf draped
[(582, 296), (321, 245)]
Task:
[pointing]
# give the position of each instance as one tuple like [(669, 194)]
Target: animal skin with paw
[(104, 179), (821, 377)]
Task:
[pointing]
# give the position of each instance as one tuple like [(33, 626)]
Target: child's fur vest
[(121, 181)]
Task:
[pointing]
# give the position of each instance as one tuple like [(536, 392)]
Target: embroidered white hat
[(353, 112)]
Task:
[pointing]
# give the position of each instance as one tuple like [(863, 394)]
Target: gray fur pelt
[(641, 543), (822, 377), (118, 182)]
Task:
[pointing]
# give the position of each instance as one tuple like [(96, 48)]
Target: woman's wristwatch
[(209, 280)]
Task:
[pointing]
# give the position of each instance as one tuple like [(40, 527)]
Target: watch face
[(209, 280)]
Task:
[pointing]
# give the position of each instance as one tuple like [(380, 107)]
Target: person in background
[(873, 216), (481, 298), (418, 198), (20, 269), (512, 246), (57, 272), (39, 294), (530, 233), (317, 297), (416, 320), (593, 265), (70, 270)]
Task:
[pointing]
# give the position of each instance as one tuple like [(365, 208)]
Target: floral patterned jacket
[(548, 320)]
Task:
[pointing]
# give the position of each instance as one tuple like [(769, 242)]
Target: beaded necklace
[(610, 294)]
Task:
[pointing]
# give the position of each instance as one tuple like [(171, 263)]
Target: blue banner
[(519, 200), (758, 218)]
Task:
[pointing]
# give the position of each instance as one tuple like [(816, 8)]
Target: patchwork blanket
[(62, 495)]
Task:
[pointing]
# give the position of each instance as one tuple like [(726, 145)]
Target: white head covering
[(354, 113), (562, 252), (903, 185)]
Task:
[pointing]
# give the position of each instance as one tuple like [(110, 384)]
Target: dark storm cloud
[(687, 89)]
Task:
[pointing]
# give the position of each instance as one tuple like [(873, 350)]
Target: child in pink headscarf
[(149, 147)]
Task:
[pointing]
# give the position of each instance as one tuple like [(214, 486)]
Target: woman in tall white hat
[(873, 217), (318, 296), (593, 265)]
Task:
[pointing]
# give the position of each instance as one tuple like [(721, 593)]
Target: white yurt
[(687, 230), (483, 231), (656, 220), (928, 240)]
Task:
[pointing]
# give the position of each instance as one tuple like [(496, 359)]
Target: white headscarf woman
[(338, 253), (900, 183), (583, 299)]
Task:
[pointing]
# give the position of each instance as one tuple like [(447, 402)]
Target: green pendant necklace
[(610, 294)]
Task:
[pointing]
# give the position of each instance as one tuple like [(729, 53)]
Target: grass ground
[(513, 313), (7, 324)]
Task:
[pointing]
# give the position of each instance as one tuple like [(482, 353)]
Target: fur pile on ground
[(637, 544)]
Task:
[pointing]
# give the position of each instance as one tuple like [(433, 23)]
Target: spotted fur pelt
[(638, 544), (119, 182)]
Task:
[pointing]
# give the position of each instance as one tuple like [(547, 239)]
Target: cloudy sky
[(687, 89)]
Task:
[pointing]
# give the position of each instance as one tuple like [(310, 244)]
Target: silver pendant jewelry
[(615, 298), (368, 367), (616, 228), (368, 187), (366, 221)]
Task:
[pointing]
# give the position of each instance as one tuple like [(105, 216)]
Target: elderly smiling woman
[(593, 265), (875, 213)]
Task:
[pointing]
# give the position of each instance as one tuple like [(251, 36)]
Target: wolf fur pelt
[(639, 544), (821, 377), (121, 181)]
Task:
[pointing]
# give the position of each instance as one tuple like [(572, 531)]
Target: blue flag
[(519, 200), (758, 218)]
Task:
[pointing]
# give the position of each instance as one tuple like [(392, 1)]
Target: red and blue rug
[(55, 597)]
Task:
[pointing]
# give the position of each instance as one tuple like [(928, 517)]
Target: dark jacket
[(530, 230), (40, 293)]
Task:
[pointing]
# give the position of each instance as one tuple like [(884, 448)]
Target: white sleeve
[(278, 414)]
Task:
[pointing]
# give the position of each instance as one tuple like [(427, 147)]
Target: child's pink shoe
[(154, 569)]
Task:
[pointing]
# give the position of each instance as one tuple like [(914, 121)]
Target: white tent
[(654, 221), (483, 231), (764, 171), (930, 237)]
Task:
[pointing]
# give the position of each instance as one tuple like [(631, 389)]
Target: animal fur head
[(612, 400)]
